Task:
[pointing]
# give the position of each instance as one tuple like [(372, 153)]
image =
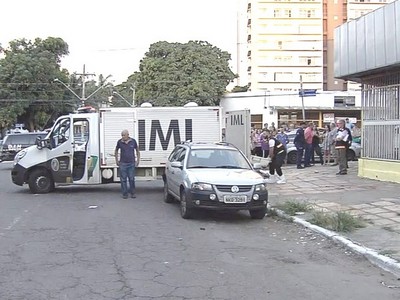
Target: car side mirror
[(42, 143), (176, 164), (257, 166)]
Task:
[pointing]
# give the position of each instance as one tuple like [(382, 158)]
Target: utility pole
[(302, 98), (83, 75)]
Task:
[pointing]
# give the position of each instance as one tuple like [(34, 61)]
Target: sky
[(111, 37)]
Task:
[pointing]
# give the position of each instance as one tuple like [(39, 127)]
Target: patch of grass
[(292, 207), (340, 221)]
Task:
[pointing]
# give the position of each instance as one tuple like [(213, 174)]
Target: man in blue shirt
[(300, 143), (127, 161)]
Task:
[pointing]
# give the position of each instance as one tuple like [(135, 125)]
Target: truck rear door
[(238, 130)]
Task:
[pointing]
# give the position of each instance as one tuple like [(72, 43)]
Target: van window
[(60, 132)]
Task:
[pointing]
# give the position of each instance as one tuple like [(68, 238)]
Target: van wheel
[(186, 212), (40, 182), (167, 196), (292, 157)]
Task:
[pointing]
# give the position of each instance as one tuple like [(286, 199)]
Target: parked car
[(214, 176), (15, 142), (353, 153)]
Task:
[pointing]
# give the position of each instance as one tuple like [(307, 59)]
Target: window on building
[(306, 60), (338, 101), (256, 121), (283, 76), (288, 13), (307, 13), (277, 13), (280, 44)]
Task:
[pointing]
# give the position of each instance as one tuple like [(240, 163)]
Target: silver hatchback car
[(214, 176)]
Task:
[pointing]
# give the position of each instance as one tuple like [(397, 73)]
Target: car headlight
[(260, 187), (200, 186), (19, 156)]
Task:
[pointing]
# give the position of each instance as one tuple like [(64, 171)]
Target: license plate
[(235, 199)]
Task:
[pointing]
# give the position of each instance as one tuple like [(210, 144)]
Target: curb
[(386, 263)]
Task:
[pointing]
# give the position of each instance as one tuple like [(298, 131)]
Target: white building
[(290, 42), (287, 108)]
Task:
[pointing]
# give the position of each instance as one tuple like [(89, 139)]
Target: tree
[(28, 92), (239, 89), (174, 74), (126, 92)]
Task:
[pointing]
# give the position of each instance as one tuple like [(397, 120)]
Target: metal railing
[(381, 117)]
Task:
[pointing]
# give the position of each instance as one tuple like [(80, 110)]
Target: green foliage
[(340, 221), (239, 89), (292, 207), (175, 74), (28, 92), (126, 92)]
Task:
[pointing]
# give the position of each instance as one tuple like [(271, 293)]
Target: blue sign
[(307, 93)]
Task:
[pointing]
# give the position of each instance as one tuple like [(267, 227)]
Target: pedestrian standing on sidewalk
[(257, 143), (341, 146), (264, 144), (300, 143), (127, 162), (283, 138), (332, 138), (277, 156), (308, 136), (326, 144), (316, 148)]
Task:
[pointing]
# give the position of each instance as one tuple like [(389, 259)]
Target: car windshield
[(217, 158)]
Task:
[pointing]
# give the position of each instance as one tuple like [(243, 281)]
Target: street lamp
[(71, 90), (82, 98), (123, 98)]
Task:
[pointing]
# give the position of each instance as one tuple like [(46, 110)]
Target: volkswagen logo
[(235, 189)]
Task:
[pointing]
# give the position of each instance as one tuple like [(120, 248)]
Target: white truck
[(79, 149)]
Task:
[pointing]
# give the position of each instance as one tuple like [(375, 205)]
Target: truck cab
[(68, 154)]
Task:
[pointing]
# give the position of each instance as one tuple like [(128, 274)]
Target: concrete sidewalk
[(378, 203)]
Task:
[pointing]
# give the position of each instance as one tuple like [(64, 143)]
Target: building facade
[(366, 51), (290, 42), (284, 109)]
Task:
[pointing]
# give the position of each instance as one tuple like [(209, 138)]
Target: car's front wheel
[(258, 213), (292, 157), (186, 212), (40, 182), (167, 196)]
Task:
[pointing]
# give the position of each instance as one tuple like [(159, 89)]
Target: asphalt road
[(55, 246)]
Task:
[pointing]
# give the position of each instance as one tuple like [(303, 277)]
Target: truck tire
[(167, 196), (40, 182), (258, 214), (186, 212), (292, 157)]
